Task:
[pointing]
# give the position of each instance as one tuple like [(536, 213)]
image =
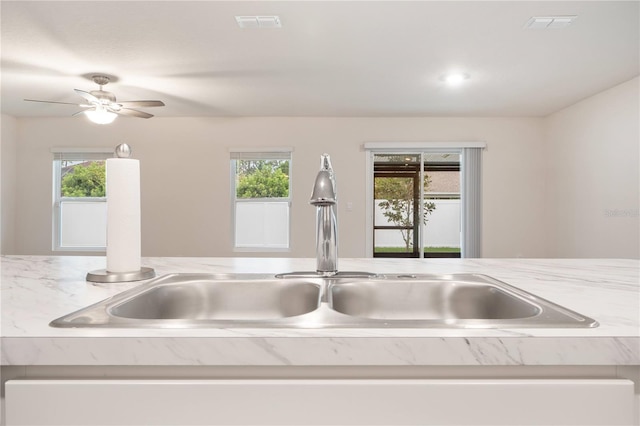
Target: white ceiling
[(330, 58)]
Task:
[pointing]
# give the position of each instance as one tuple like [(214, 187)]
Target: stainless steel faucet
[(324, 197)]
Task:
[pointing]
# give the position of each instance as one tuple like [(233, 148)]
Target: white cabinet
[(320, 402)]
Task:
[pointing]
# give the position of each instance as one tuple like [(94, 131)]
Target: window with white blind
[(424, 199), (261, 195), (79, 199)]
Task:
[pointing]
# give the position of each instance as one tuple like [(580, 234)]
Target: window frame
[(260, 154), (72, 154)]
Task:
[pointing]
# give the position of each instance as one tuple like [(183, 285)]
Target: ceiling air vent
[(549, 22), (258, 21)]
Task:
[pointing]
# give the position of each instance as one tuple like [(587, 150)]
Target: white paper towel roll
[(123, 215)]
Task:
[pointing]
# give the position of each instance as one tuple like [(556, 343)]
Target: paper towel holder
[(104, 276)]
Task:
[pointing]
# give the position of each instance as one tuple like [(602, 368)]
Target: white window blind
[(471, 198), (82, 154), (282, 154)]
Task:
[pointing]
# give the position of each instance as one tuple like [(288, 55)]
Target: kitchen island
[(38, 289)]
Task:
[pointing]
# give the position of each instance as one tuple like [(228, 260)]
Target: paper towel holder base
[(104, 276)]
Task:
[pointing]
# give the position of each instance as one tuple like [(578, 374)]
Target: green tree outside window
[(85, 180), (398, 204), (262, 178)]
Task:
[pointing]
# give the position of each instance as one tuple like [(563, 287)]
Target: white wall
[(8, 160), (593, 187), (185, 176)]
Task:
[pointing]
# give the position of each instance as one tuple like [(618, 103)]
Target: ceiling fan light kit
[(102, 107), (100, 116)]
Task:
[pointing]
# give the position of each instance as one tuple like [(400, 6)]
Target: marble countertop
[(38, 289)]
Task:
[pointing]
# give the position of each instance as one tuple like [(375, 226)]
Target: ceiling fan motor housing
[(104, 96)]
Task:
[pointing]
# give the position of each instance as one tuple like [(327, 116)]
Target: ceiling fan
[(102, 107)]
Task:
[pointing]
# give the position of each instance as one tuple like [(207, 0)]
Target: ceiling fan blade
[(140, 104), (88, 96), (133, 113), (78, 113), (51, 102)]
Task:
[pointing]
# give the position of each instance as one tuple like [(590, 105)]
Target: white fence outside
[(442, 228), (83, 224), (262, 224)]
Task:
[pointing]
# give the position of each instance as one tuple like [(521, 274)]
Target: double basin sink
[(305, 300)]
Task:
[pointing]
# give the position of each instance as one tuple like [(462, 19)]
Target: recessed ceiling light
[(454, 78), (258, 21)]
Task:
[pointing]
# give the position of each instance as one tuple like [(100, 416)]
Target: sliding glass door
[(416, 204), (396, 205)]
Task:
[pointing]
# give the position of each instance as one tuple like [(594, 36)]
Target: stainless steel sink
[(200, 298), (308, 301), (429, 299), (456, 301)]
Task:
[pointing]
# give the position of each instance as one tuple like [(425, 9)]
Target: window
[(261, 193), (79, 199), (424, 199)]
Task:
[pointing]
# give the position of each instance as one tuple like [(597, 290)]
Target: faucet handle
[(325, 162)]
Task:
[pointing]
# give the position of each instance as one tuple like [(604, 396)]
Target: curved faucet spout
[(325, 199), (323, 193)]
